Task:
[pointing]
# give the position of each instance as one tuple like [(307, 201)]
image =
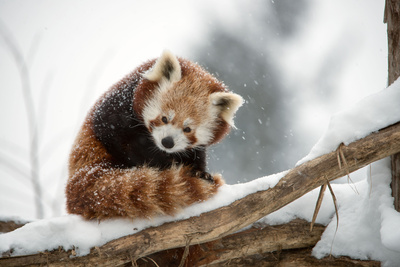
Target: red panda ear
[(226, 105), (166, 68)]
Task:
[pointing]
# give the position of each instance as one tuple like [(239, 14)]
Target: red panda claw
[(205, 175)]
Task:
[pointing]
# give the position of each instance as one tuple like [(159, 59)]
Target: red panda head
[(184, 106)]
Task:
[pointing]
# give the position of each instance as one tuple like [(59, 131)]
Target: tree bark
[(262, 245), (8, 226), (229, 219), (258, 239), (392, 18), (296, 258)]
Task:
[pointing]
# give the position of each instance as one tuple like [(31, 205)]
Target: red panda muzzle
[(168, 142)]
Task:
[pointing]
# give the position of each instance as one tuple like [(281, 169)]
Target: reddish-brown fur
[(191, 72), (97, 188)]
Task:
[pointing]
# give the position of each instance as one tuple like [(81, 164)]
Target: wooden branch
[(257, 240), (296, 257), (8, 226), (226, 220)]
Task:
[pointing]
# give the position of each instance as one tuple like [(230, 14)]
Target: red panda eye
[(187, 129), (164, 119)]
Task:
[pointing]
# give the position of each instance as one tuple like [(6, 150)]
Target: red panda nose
[(168, 142)]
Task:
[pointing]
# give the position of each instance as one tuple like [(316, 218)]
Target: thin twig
[(334, 203), (186, 251), (133, 261), (318, 205), (155, 263), (336, 211), (346, 166)]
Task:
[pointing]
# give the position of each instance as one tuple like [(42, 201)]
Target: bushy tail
[(101, 192)]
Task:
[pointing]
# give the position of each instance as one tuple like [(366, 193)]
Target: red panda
[(141, 150)]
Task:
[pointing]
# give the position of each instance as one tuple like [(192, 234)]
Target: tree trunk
[(392, 18)]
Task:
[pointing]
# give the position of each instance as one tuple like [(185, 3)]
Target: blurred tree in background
[(245, 55)]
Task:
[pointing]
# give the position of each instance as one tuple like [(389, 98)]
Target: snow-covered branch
[(241, 213)]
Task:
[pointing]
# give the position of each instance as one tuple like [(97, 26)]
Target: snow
[(369, 227), (389, 228), (367, 222), (73, 232), (370, 114)]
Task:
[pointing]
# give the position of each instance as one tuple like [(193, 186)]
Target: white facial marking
[(204, 134), (187, 122), (171, 115), (152, 109), (177, 135)]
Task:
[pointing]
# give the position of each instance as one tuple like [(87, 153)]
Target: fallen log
[(229, 219), (259, 239), (296, 258)]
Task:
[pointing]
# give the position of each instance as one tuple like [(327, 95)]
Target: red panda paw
[(218, 180), (215, 179), (204, 175)]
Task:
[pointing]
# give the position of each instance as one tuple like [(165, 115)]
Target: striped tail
[(100, 192)]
